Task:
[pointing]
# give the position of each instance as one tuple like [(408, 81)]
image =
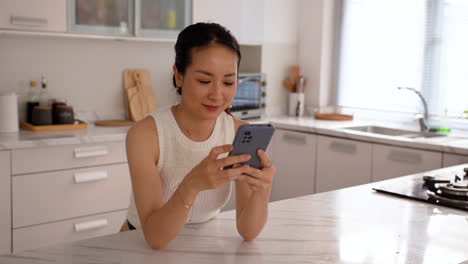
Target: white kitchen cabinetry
[(243, 18), (390, 162), (5, 203), (33, 15), (66, 193), (293, 154), (453, 159), (342, 163)]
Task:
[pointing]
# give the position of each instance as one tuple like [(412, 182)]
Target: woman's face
[(209, 82)]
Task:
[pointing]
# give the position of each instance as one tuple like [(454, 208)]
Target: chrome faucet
[(422, 120)]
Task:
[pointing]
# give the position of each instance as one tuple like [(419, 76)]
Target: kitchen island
[(352, 225)]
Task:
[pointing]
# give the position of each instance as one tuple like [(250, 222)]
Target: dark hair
[(198, 35)]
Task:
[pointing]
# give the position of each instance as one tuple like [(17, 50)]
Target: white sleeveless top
[(178, 155)]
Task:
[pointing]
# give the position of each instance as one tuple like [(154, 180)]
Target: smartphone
[(249, 139)]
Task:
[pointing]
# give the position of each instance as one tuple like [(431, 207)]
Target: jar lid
[(64, 106), (42, 107)]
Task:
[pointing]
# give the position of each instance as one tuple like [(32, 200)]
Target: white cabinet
[(342, 163), (33, 15), (5, 203), (390, 162), (293, 154), (453, 159), (243, 18), (65, 193)]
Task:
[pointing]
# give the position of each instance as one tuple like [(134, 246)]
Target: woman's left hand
[(262, 178)]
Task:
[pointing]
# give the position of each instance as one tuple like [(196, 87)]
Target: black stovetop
[(413, 187)]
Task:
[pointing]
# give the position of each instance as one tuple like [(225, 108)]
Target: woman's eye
[(229, 83), (204, 82)]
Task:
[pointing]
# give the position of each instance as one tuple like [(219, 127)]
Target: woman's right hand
[(209, 173)]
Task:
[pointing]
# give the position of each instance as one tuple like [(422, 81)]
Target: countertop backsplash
[(86, 72)]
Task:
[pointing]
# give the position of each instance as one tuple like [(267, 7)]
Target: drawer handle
[(405, 157), (82, 177), (294, 139), (28, 21), (88, 152), (348, 148), (90, 225)]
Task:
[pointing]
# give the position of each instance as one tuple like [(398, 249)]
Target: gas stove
[(450, 189), (448, 192)]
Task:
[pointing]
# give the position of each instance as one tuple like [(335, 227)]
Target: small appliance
[(249, 101)]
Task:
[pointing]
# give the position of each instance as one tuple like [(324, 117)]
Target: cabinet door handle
[(295, 139), (91, 176), (88, 152), (90, 225), (28, 21), (405, 157), (337, 146)]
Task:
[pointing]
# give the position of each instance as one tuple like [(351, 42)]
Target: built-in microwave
[(249, 101)]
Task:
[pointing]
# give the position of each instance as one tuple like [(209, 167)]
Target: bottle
[(32, 100), (44, 94), (171, 19)]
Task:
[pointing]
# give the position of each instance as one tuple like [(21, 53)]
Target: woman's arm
[(162, 222), (252, 195)]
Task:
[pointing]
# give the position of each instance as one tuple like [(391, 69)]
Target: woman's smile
[(211, 108)]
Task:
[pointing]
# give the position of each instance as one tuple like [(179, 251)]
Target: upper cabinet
[(244, 18), (101, 17), (33, 15), (162, 18), (124, 19)]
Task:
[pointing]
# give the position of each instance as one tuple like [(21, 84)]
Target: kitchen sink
[(395, 132)]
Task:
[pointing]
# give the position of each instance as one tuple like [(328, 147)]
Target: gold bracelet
[(186, 205)]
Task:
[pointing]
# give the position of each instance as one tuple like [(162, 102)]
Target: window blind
[(385, 44)]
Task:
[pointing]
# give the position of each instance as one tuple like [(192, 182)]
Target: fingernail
[(260, 151), (247, 156)]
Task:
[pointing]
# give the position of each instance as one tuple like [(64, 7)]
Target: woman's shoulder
[(143, 133)]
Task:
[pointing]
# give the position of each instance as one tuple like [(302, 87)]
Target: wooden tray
[(27, 126), (114, 123), (335, 117)]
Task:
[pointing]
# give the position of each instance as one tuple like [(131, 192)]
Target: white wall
[(279, 51), (316, 47), (86, 72)]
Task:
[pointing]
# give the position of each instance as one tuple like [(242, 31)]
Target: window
[(385, 44)]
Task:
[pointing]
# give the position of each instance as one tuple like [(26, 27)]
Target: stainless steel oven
[(249, 101)]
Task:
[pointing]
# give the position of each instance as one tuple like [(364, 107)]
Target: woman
[(176, 154)]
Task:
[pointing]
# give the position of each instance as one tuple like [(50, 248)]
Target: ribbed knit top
[(178, 155)]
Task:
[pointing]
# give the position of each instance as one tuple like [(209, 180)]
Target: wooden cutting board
[(335, 117), (114, 123)]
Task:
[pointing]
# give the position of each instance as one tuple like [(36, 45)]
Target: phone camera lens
[(247, 133)]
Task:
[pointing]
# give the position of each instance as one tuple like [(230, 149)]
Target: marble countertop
[(353, 225), (91, 134), (456, 143)]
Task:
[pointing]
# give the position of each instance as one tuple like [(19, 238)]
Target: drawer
[(390, 162), (67, 157), (66, 231), (54, 196)]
